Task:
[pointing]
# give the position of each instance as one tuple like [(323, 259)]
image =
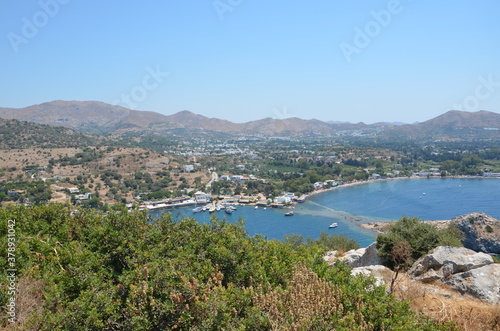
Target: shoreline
[(369, 181)]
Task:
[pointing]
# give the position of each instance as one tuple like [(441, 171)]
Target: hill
[(16, 134), (102, 118), (85, 116), (453, 125)]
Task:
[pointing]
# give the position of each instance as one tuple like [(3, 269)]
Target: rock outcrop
[(464, 270), (444, 261), (382, 274), (482, 283), (363, 261), (356, 258), (481, 232)]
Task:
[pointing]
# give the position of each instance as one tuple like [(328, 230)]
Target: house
[(237, 178), (85, 196), (240, 166), (73, 190), (188, 167), (202, 197), (13, 193), (318, 185), (225, 177), (283, 199), (375, 176)]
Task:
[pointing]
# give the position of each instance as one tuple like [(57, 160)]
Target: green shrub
[(421, 237), (126, 271)]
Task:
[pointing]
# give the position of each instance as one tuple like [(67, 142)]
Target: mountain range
[(99, 117)]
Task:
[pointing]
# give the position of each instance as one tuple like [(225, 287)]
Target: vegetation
[(409, 238), (82, 270)]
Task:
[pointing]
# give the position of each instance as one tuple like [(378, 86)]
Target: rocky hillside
[(481, 232)]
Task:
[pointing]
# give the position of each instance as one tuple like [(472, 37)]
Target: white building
[(283, 199), (202, 197)]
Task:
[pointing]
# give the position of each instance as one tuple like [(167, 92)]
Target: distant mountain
[(453, 125), (85, 116), (99, 117)]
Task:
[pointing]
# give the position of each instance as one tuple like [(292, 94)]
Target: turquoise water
[(428, 199)]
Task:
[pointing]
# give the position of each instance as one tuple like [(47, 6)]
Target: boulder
[(362, 257), (482, 283), (381, 273), (445, 261)]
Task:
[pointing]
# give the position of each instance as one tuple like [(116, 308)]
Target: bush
[(126, 271), (421, 237)]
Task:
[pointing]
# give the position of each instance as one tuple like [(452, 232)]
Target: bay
[(377, 201)]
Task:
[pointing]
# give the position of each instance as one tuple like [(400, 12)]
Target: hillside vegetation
[(81, 270), (16, 134)]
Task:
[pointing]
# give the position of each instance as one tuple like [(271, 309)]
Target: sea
[(375, 201)]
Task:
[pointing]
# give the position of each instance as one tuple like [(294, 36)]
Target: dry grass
[(29, 302), (439, 302)]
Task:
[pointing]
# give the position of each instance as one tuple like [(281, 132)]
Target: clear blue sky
[(243, 60)]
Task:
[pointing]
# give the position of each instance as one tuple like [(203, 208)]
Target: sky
[(243, 60)]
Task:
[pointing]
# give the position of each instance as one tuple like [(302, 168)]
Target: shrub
[(126, 271), (421, 237)]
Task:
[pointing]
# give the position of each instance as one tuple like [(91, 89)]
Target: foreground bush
[(122, 271)]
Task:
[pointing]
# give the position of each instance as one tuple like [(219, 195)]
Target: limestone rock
[(381, 273), (362, 257), (445, 261), (482, 283)]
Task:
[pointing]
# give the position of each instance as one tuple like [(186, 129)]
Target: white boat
[(197, 209), (333, 225), (256, 207), (212, 209), (290, 213)]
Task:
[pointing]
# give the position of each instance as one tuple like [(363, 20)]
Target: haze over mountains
[(99, 117)]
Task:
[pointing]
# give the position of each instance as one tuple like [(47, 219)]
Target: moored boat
[(290, 213), (333, 225)]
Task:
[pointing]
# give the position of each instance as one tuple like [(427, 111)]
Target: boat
[(212, 209), (290, 213), (197, 209), (229, 210), (333, 225)]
